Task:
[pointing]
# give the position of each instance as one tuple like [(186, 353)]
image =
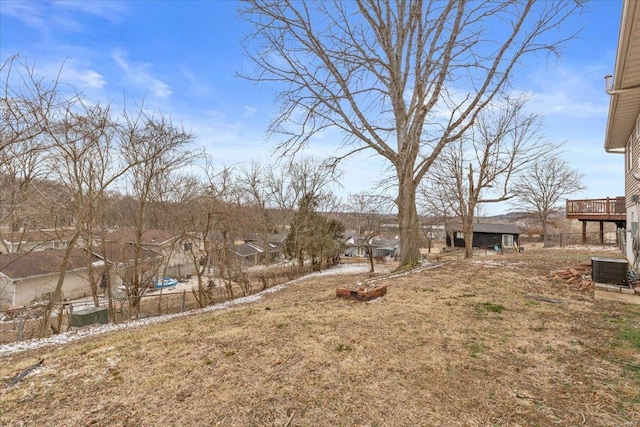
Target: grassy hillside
[(488, 341)]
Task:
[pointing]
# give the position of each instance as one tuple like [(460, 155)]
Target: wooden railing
[(609, 208)]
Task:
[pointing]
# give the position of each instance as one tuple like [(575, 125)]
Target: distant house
[(120, 258), (246, 254), (356, 246), (274, 248), (488, 235), (29, 277), (35, 240), (175, 249)]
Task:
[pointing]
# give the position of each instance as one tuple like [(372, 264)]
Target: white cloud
[(31, 14), (138, 74), (81, 78), (66, 15), (248, 111), (108, 10)]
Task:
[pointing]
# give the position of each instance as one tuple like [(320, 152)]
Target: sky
[(183, 59)]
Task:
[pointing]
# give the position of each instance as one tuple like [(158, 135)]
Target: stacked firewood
[(578, 276)]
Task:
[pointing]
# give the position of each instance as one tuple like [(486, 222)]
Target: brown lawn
[(470, 343)]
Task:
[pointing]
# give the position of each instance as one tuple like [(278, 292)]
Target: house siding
[(632, 188), (29, 290), (483, 240)]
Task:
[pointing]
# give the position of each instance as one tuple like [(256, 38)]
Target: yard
[(481, 342)]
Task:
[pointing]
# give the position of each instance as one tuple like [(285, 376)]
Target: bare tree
[(80, 160), (25, 101), (228, 221), (435, 202), (402, 78), (259, 196), (479, 168), (367, 209), (155, 149), (546, 182)]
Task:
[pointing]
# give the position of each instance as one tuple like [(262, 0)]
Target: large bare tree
[(403, 78), (541, 190)]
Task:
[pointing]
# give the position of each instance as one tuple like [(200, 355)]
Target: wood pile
[(578, 276)]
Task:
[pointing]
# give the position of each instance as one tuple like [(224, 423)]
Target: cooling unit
[(611, 271)]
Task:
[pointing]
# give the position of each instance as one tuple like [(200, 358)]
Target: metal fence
[(590, 238), (23, 323)]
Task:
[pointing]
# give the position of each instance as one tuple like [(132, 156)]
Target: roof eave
[(614, 142)]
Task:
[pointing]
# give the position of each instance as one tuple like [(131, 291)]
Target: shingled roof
[(38, 263), (149, 237), (122, 252)]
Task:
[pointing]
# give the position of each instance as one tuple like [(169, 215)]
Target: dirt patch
[(488, 341)]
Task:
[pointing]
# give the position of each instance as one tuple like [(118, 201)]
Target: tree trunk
[(467, 228), (408, 222), (544, 233), (370, 253), (57, 292)]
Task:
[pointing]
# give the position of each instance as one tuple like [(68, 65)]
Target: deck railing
[(609, 207)]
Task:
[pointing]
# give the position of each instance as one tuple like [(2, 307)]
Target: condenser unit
[(610, 271)]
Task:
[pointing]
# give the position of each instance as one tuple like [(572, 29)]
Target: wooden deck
[(611, 209)]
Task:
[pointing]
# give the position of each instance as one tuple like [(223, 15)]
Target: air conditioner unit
[(610, 271)]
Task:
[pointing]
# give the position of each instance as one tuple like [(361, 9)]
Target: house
[(175, 249), (120, 258), (487, 235), (623, 124), (32, 276), (246, 254), (35, 240), (384, 246), (275, 245), (356, 246)]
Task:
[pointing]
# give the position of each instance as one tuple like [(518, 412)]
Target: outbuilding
[(487, 235)]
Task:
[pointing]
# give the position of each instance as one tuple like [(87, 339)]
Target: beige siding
[(30, 290), (6, 293), (631, 165), (632, 187)]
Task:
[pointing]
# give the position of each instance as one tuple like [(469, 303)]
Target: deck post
[(601, 232), (584, 232)]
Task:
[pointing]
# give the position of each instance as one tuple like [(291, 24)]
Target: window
[(188, 246), (507, 240), (459, 235)]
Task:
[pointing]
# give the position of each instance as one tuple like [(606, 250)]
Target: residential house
[(176, 249), (488, 235), (32, 276), (120, 259), (246, 254), (356, 246), (275, 245), (35, 240), (623, 124)]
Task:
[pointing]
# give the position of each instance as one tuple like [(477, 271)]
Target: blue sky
[(183, 57)]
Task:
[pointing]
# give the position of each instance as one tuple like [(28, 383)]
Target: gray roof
[(38, 263), (496, 228), (245, 250)]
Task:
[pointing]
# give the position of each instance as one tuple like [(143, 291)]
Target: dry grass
[(460, 345)]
